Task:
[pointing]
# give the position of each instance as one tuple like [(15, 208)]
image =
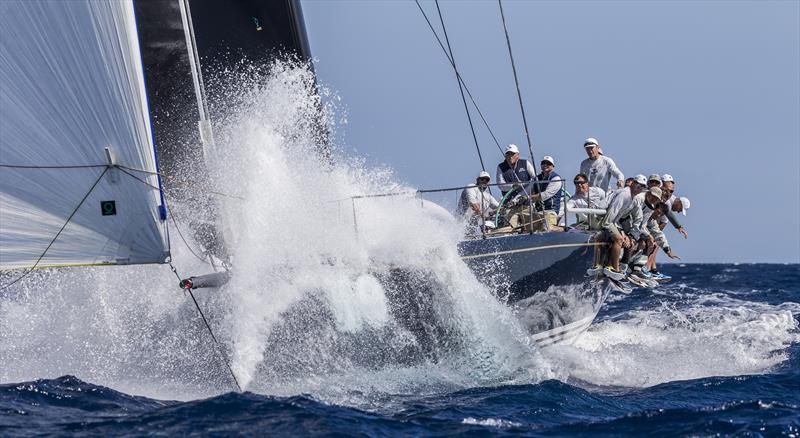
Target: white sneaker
[(597, 269), (612, 273)]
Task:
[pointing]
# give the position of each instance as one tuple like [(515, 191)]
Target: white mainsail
[(72, 85)]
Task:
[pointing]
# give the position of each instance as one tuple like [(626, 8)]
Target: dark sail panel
[(258, 30), (225, 32)]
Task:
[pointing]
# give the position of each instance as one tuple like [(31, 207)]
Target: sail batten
[(72, 85)]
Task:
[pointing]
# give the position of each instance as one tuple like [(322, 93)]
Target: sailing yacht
[(83, 158)]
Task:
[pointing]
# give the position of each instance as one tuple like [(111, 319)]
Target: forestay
[(72, 85)]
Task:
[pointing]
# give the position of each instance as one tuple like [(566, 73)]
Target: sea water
[(310, 326)]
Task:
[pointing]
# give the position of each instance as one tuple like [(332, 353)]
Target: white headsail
[(72, 85)]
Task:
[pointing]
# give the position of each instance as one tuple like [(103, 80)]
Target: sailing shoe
[(610, 272), (638, 281), (644, 273), (594, 270), (661, 278)]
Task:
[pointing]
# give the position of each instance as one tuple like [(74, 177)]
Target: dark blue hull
[(542, 276)]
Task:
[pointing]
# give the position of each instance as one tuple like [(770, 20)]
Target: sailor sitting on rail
[(514, 171), (546, 192), (476, 203), (585, 197), (619, 207)]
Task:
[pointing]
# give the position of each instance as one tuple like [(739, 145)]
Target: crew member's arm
[(503, 184), (532, 173), (474, 199), (609, 221), (636, 217), (673, 219), (616, 172)]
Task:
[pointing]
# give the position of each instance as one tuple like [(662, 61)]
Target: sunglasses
[(546, 163), (486, 180), (579, 183)]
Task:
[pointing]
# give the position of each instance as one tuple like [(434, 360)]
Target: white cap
[(640, 179), (591, 141), (484, 174), (512, 148), (667, 178), (549, 159), (686, 204)]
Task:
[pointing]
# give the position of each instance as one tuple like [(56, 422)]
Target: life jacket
[(518, 174), (540, 185)]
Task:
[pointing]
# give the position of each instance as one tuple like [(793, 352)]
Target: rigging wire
[(460, 87), (516, 81), (460, 79), (31, 269), (219, 349), (219, 345), (172, 216)]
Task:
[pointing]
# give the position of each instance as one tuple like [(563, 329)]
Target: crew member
[(476, 203), (514, 171), (546, 191), (598, 167), (662, 216), (585, 197), (620, 207)]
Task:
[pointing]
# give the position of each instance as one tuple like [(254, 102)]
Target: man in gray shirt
[(598, 167), (620, 206)]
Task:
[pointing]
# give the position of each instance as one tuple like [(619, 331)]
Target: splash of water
[(327, 296), (695, 336)]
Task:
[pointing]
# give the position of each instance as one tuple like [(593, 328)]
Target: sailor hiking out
[(619, 207)]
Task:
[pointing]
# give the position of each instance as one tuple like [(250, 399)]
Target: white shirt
[(592, 199), (474, 195), (600, 171)]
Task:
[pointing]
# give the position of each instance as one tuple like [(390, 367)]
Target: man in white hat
[(476, 203), (620, 207), (599, 168), (514, 172), (546, 191), (585, 197), (660, 219)]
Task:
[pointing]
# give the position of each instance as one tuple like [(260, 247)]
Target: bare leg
[(614, 252)]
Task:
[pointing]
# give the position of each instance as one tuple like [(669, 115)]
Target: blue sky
[(706, 91)]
